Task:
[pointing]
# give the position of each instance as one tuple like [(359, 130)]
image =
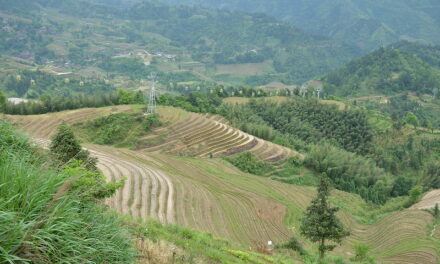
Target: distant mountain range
[(365, 23)]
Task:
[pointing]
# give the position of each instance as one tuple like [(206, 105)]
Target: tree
[(64, 145), (65, 148), (412, 119), (436, 211), (429, 126), (2, 101), (320, 222), (414, 195)]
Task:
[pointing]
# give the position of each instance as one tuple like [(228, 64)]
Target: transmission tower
[(318, 92), (303, 90), (152, 102)]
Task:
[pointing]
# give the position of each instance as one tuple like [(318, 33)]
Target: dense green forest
[(368, 24), (386, 71), (427, 53)]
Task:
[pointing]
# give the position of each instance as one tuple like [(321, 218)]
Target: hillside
[(211, 195), (368, 24), (427, 53), (184, 44), (385, 71)]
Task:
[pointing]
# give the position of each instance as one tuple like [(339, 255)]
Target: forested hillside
[(427, 53), (368, 24), (385, 71)]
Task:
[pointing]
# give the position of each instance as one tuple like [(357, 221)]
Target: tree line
[(48, 104)]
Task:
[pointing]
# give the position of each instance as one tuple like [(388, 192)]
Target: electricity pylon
[(153, 96)]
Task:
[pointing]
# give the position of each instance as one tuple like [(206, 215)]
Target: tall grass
[(42, 222)]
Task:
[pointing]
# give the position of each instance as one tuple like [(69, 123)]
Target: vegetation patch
[(247, 162), (122, 129), (166, 244)]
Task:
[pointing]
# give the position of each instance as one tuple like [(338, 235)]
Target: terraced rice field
[(399, 238), (212, 196), (147, 192), (43, 126), (210, 136)]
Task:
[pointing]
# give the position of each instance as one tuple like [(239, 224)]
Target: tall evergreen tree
[(436, 211), (64, 145), (320, 223)]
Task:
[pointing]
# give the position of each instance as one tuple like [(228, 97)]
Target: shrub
[(295, 245), (414, 195), (247, 162), (361, 252)]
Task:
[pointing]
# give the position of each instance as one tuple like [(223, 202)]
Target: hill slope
[(385, 71), (427, 53)]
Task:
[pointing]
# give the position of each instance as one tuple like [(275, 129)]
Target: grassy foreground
[(43, 221)]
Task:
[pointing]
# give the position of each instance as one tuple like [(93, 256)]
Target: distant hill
[(367, 23), (384, 71)]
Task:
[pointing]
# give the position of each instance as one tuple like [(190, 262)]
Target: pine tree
[(320, 222), (436, 211), (64, 145)]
